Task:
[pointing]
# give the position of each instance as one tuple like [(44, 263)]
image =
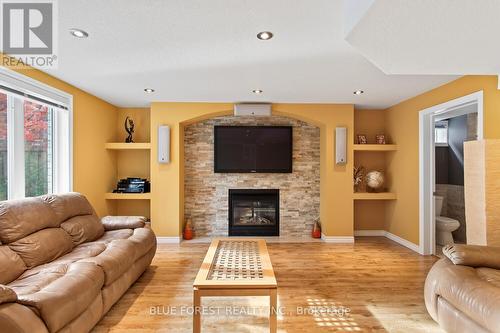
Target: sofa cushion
[(68, 205), (11, 265), (123, 222), (20, 218), (84, 228), (66, 296), (42, 246), (115, 260), (83, 251), (7, 294)]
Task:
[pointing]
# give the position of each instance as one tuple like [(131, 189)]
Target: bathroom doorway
[(443, 130), (450, 134)]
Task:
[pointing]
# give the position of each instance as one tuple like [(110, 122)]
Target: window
[(3, 147), (35, 138), (441, 133)]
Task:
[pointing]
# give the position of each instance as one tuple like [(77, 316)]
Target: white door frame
[(427, 164)]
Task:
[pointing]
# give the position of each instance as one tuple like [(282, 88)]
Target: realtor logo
[(29, 32)]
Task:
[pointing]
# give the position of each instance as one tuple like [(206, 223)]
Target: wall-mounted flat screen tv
[(253, 149)]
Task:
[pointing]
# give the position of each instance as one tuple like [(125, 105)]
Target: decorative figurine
[(129, 127), (380, 138), (359, 173)]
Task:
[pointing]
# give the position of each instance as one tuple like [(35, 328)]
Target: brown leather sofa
[(61, 268), (462, 291)]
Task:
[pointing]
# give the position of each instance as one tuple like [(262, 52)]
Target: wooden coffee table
[(236, 267)]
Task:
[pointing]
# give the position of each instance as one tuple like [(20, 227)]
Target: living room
[(249, 167)]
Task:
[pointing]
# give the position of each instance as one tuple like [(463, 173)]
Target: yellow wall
[(167, 210), (94, 123), (402, 124)]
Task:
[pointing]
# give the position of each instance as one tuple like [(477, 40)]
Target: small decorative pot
[(316, 232), (188, 232)]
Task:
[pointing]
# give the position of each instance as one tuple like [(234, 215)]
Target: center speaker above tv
[(245, 149)]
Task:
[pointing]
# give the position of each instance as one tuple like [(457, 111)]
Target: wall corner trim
[(168, 240), (361, 233), (337, 239)]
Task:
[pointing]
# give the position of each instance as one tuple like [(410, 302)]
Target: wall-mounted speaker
[(163, 144), (341, 145)]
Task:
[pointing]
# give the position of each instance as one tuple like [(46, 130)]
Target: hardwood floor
[(378, 281)]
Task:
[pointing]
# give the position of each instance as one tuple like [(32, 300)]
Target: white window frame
[(15, 146), (442, 144)]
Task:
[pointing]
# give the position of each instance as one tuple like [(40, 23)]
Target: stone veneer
[(206, 192)]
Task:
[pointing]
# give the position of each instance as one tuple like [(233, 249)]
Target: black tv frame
[(290, 162)]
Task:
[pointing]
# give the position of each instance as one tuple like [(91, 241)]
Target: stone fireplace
[(206, 194), (253, 212)]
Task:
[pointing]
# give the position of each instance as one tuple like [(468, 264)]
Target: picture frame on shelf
[(362, 140)]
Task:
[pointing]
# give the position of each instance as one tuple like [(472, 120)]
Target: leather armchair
[(462, 291)]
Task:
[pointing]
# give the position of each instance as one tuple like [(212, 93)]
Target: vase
[(188, 232)]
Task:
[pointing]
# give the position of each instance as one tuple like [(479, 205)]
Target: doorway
[(428, 120)]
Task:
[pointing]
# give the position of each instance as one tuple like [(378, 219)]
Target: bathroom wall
[(450, 170)]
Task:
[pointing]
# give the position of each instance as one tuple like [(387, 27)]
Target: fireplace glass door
[(254, 212)]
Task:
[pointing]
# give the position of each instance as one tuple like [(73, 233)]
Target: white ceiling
[(207, 51), (430, 36)]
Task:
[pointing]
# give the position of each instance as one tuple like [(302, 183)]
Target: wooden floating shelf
[(367, 147), (374, 196), (127, 196), (128, 146)]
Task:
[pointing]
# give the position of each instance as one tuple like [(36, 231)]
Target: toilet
[(444, 225)]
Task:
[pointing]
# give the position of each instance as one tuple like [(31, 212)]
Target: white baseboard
[(402, 241), (168, 240), (387, 234), (337, 239), (381, 233)]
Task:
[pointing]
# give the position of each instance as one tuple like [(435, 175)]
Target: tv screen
[(253, 149)]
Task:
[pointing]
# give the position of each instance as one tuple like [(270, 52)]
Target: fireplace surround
[(253, 212), (206, 193)]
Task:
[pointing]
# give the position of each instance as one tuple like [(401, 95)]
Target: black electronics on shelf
[(133, 185)]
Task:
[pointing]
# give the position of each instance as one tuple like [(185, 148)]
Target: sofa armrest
[(7, 295), (462, 288), (17, 318), (473, 255), (123, 222)]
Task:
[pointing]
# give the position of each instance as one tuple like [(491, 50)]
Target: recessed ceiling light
[(257, 91), (149, 90), (78, 33), (265, 35), (358, 92)]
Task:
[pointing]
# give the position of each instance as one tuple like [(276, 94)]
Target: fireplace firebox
[(254, 212)]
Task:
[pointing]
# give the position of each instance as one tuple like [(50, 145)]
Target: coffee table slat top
[(236, 264)]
